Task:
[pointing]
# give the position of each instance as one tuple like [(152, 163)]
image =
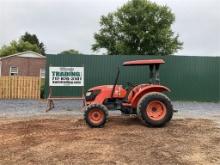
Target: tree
[(32, 38), (70, 52), (27, 42), (18, 46), (139, 27)]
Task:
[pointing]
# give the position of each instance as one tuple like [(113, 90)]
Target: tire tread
[(99, 106), (142, 106)]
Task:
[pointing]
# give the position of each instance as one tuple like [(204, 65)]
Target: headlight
[(91, 95), (88, 93)]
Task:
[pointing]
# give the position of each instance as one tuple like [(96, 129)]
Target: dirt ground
[(124, 140)]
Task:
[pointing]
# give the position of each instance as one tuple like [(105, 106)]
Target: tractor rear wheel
[(155, 109), (96, 115)]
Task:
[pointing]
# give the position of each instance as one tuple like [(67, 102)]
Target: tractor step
[(175, 110)]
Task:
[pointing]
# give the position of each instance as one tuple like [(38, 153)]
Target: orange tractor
[(147, 101)]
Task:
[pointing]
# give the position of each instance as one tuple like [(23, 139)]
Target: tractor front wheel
[(155, 109), (96, 115)]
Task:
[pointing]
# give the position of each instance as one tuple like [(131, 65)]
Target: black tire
[(161, 99), (95, 107)]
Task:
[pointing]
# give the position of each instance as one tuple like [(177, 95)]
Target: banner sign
[(66, 76)]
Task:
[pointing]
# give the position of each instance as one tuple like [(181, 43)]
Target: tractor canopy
[(143, 62), (154, 65)]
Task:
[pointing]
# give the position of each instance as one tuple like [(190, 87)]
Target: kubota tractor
[(147, 101)]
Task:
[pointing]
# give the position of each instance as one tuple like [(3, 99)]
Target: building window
[(42, 73), (13, 71)]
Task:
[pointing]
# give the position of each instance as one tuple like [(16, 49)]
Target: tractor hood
[(105, 91), (101, 87)]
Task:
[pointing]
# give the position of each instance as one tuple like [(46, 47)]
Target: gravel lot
[(28, 108), (11, 109)]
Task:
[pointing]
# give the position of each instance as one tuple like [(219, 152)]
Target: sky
[(71, 24)]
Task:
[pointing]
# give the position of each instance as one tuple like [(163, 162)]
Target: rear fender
[(145, 90)]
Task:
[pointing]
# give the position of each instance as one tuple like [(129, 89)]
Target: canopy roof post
[(151, 76), (157, 74)]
